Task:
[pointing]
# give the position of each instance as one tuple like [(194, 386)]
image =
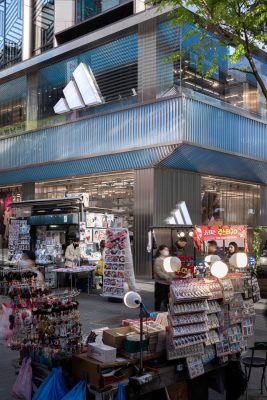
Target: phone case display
[(48, 248), (228, 290), (213, 321), (19, 237), (214, 307), (214, 287), (194, 366), (187, 319), (195, 306), (189, 289), (211, 326), (118, 264)]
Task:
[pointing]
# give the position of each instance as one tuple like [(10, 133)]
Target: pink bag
[(22, 388), (5, 331)]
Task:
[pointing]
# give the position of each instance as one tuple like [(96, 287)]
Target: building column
[(64, 16), (147, 60), (139, 5), (32, 102), (27, 30), (143, 219), (28, 191), (262, 219)]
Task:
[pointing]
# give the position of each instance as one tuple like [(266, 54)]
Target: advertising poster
[(118, 263)]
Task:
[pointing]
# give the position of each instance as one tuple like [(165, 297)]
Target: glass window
[(43, 25), (114, 66), (10, 32), (225, 202), (109, 191), (13, 106), (89, 8)]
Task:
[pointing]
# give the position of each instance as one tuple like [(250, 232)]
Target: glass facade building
[(11, 28)]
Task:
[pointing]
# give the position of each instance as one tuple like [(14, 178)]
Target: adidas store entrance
[(147, 197)]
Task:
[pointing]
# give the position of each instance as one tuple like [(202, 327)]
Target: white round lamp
[(132, 300), (219, 269), (239, 260), (172, 264), (211, 259)]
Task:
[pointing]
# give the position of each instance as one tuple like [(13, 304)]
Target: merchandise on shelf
[(43, 325), (209, 319), (118, 263), (19, 238), (48, 247)]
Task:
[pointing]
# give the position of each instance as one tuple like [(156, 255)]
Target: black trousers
[(161, 295)]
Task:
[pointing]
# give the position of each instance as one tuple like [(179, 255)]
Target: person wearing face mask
[(72, 254), (162, 278)]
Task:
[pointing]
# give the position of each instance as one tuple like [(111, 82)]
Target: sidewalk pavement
[(97, 312)]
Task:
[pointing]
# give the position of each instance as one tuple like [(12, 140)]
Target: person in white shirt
[(72, 254)]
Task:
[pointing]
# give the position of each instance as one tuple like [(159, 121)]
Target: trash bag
[(22, 388), (121, 392), (77, 393), (53, 387)]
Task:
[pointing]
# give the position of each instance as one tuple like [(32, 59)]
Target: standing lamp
[(134, 300)]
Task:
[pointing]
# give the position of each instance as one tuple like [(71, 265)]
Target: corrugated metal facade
[(115, 162), (198, 159), (172, 186), (146, 125), (143, 218), (208, 125)]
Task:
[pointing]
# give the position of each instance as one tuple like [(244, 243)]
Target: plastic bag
[(22, 388), (121, 392), (53, 387), (99, 271), (5, 331), (77, 393)]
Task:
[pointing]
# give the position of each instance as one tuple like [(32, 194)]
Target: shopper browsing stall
[(162, 278), (72, 254), (232, 249), (179, 248)]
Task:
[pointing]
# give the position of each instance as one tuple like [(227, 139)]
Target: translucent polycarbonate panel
[(11, 26)]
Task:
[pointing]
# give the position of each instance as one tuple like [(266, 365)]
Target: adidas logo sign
[(179, 216), (80, 92)]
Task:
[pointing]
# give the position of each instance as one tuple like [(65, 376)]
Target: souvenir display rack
[(118, 263), (210, 318), (43, 325), (19, 238)]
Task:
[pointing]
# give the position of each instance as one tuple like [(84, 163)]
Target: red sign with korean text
[(204, 233)]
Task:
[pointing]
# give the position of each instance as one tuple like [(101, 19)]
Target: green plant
[(256, 245)]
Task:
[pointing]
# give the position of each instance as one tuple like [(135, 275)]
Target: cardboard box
[(116, 337), (102, 352)]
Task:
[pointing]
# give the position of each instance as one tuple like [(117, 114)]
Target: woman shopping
[(162, 278)]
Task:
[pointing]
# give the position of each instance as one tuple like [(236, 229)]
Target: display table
[(76, 271), (163, 375)]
